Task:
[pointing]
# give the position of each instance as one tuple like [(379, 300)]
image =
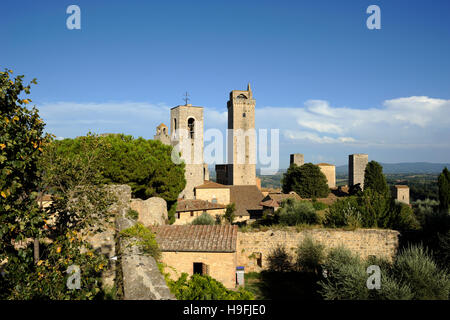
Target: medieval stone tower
[(356, 167), (298, 159), (241, 169), (186, 131)]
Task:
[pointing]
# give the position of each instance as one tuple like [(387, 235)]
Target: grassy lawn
[(282, 285)]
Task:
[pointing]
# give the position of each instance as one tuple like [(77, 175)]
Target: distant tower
[(186, 130), (356, 167), (402, 193), (298, 159), (162, 134), (241, 137)]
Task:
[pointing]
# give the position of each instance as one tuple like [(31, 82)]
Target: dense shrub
[(319, 205), (293, 212), (200, 287), (279, 260), (424, 208), (402, 218), (344, 212), (310, 255), (204, 219), (371, 209), (415, 267), (413, 275), (145, 239), (345, 276)]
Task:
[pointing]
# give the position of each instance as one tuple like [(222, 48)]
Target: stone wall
[(253, 248), (141, 278)]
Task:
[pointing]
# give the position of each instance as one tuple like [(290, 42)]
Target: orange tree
[(21, 143), (40, 271)]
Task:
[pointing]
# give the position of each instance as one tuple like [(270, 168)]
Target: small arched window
[(175, 124), (191, 127), (241, 96)]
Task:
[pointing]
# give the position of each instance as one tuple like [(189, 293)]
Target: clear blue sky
[(296, 54)]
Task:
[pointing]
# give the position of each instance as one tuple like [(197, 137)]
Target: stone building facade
[(207, 250), (402, 193), (356, 166), (329, 171), (213, 192)]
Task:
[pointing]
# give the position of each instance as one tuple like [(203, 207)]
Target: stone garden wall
[(253, 248)]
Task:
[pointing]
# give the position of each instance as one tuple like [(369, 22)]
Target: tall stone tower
[(356, 166), (298, 159), (241, 138), (186, 130)]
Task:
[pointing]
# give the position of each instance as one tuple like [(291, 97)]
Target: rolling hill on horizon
[(405, 167)]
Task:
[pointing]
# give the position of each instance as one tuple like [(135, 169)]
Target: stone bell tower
[(241, 138), (186, 131)]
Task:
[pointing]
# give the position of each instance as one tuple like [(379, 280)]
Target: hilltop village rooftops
[(246, 199), (274, 199), (196, 238), (184, 205)]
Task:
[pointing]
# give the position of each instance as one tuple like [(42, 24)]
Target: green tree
[(229, 212), (307, 181), (374, 178), (79, 210), (145, 165), (22, 141), (444, 189)]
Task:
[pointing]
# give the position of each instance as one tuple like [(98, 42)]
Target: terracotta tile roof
[(401, 186), (184, 205), (246, 198), (211, 185), (196, 238), (275, 199), (325, 164)]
